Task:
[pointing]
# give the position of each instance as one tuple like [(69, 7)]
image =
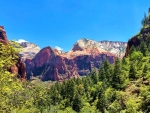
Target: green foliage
[(118, 80), (133, 71), (77, 103), (115, 107), (136, 55), (119, 88), (9, 85), (145, 94), (143, 48), (132, 49), (132, 105), (144, 21)]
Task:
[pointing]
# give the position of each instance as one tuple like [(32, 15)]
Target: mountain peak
[(114, 47), (29, 50)]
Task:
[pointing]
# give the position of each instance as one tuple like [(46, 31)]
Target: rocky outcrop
[(136, 40), (3, 37), (132, 42), (29, 50), (53, 65), (19, 68)]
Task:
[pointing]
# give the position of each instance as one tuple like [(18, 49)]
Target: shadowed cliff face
[(136, 40), (19, 68), (53, 65), (132, 42)]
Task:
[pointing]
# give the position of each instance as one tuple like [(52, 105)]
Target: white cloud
[(21, 40), (58, 48)]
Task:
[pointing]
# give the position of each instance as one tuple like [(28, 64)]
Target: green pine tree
[(77, 103), (132, 49), (133, 71), (144, 49), (118, 78)]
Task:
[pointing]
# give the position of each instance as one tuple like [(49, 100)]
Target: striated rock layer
[(114, 47), (19, 68)]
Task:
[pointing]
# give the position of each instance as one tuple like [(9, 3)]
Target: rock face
[(29, 50), (54, 65), (3, 37), (19, 68), (117, 48), (136, 40), (132, 42)]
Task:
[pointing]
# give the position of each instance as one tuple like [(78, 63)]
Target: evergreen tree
[(117, 77), (144, 20), (77, 103), (54, 95), (148, 40), (78, 81), (85, 83), (146, 72), (133, 71), (63, 89), (148, 43), (108, 73), (95, 77), (144, 49), (70, 91), (101, 104), (102, 74), (132, 49)]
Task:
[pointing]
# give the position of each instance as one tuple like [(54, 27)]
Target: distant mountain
[(51, 64), (114, 47), (29, 50)]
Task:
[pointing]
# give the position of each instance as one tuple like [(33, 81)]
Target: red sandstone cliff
[(53, 65)]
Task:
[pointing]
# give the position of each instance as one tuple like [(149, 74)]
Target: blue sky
[(62, 22)]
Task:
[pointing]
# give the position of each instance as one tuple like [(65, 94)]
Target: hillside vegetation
[(123, 87)]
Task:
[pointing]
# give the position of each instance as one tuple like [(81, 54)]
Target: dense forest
[(123, 87)]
